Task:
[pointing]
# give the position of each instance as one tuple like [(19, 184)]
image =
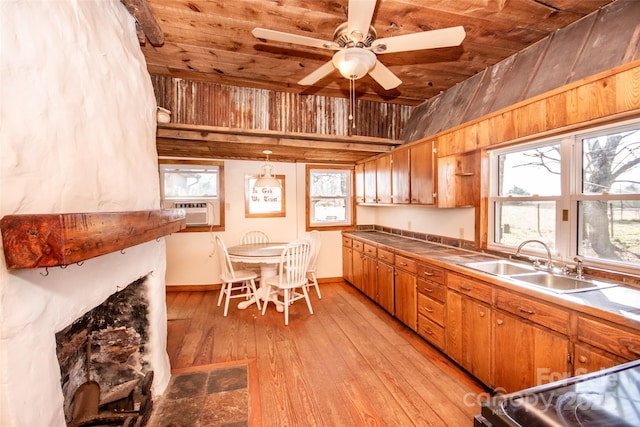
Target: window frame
[(219, 198), (571, 171), (350, 202)]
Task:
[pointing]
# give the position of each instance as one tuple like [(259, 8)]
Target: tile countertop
[(619, 304)]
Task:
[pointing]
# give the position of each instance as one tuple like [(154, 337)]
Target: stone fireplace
[(78, 118)]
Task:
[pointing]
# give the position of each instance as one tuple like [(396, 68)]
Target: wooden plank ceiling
[(211, 41)]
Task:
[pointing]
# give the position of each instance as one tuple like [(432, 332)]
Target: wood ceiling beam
[(141, 11)]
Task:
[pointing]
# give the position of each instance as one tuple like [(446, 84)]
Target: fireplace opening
[(105, 378)]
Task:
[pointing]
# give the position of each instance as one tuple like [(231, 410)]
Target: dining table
[(267, 257)]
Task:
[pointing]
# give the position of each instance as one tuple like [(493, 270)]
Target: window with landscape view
[(579, 194), (329, 197)]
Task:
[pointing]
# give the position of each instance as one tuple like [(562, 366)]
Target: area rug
[(207, 396)]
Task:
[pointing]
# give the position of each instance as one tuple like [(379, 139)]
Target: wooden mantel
[(49, 240)]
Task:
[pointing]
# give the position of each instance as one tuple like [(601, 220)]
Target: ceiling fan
[(357, 44)]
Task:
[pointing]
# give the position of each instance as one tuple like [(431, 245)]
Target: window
[(329, 197), (579, 194), (196, 187)]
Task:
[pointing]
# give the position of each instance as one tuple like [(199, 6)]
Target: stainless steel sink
[(560, 284), (528, 275), (500, 267)]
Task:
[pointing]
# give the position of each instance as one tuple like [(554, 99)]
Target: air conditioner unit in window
[(198, 212)]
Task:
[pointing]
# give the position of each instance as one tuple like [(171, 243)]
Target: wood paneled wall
[(593, 45), (210, 104)]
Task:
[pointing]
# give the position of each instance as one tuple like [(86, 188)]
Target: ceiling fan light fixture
[(354, 63)]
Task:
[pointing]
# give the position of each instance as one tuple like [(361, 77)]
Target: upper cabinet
[(383, 179), (422, 173), (360, 183), (459, 180), (400, 168), (370, 193)]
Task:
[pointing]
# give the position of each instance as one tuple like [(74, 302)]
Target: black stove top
[(606, 398)]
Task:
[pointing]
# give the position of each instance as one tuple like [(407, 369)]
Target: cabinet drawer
[(432, 290), (346, 241), (589, 359), (539, 312), (370, 250), (405, 263), (385, 255), (428, 272), (431, 309), (613, 339), (470, 287), (431, 332), (358, 245)]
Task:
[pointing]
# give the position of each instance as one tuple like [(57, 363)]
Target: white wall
[(77, 118), (190, 256)]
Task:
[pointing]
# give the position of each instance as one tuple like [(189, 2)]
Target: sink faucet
[(579, 268), (549, 260)]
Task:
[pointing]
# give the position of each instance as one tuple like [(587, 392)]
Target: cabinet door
[(400, 167), (406, 298), (370, 181), (468, 335), (347, 264), (587, 359), (358, 269), (385, 294), (370, 276), (526, 355), (359, 172), (383, 179), (422, 171)]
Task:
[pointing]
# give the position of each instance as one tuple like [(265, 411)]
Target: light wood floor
[(350, 363)]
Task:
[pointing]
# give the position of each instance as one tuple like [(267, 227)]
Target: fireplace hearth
[(105, 378)]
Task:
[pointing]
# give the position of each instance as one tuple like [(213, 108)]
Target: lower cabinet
[(526, 354), (347, 260), (385, 294), (589, 359), (406, 294), (468, 334)]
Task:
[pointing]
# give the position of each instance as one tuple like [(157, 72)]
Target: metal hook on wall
[(122, 251), (46, 271)]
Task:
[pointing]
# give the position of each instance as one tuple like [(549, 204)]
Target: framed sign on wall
[(263, 202)]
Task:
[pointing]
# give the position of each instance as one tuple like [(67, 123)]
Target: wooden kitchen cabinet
[(406, 294), (359, 179), (383, 179), (614, 339), (525, 354), (459, 180), (370, 191), (422, 173), (369, 271), (590, 359), (431, 304), (400, 169), (385, 295), (357, 264), (347, 259), (468, 325)]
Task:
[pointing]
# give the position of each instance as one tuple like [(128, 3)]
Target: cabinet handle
[(428, 332), (426, 273), (482, 314), (428, 290), (428, 310), (582, 359), (465, 288), (404, 264), (524, 310), (499, 321)]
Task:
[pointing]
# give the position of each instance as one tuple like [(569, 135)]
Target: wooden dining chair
[(316, 243), (235, 283), (292, 277), (254, 236)]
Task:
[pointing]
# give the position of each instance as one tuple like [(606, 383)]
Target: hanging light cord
[(352, 102)]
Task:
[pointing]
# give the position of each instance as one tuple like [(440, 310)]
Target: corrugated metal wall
[(210, 104)]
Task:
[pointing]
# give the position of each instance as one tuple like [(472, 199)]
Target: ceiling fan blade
[(359, 19), (321, 72), (263, 33), (384, 76), (444, 37)]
